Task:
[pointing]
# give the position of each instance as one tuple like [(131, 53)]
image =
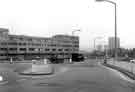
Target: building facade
[(111, 43), (26, 47)]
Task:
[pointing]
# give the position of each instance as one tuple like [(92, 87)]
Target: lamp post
[(115, 5), (73, 43)]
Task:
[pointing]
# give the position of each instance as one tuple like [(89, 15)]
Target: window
[(53, 49), (66, 49), (31, 49), (22, 49), (30, 39), (3, 49), (47, 49), (60, 49), (52, 45), (12, 43), (76, 46), (22, 44), (11, 38), (21, 38), (3, 43), (13, 49), (2, 55), (67, 45)]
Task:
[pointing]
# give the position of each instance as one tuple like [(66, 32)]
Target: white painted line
[(21, 80)]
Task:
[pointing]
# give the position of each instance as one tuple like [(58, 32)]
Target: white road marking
[(20, 80), (4, 82)]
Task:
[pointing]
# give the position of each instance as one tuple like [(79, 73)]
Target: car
[(127, 59)]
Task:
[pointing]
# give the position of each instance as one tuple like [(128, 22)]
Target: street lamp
[(115, 5)]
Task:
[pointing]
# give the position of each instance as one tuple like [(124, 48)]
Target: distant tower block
[(111, 42)]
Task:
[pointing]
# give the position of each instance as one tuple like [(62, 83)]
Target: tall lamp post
[(115, 5), (72, 42)]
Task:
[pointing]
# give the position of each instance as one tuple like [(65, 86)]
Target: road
[(78, 77)]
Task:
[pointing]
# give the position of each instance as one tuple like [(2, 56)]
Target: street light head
[(99, 0), (106, 1)]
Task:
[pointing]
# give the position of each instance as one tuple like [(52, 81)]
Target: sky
[(46, 18)]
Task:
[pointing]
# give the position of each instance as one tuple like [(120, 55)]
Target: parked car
[(77, 57), (127, 59)]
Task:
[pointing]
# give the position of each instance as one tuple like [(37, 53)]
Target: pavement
[(125, 65), (124, 71), (126, 68)]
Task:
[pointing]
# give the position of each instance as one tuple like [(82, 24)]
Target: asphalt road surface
[(78, 77)]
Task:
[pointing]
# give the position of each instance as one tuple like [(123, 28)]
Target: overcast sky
[(46, 18)]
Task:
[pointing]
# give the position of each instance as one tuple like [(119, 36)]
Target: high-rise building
[(99, 47), (105, 47), (111, 42)]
